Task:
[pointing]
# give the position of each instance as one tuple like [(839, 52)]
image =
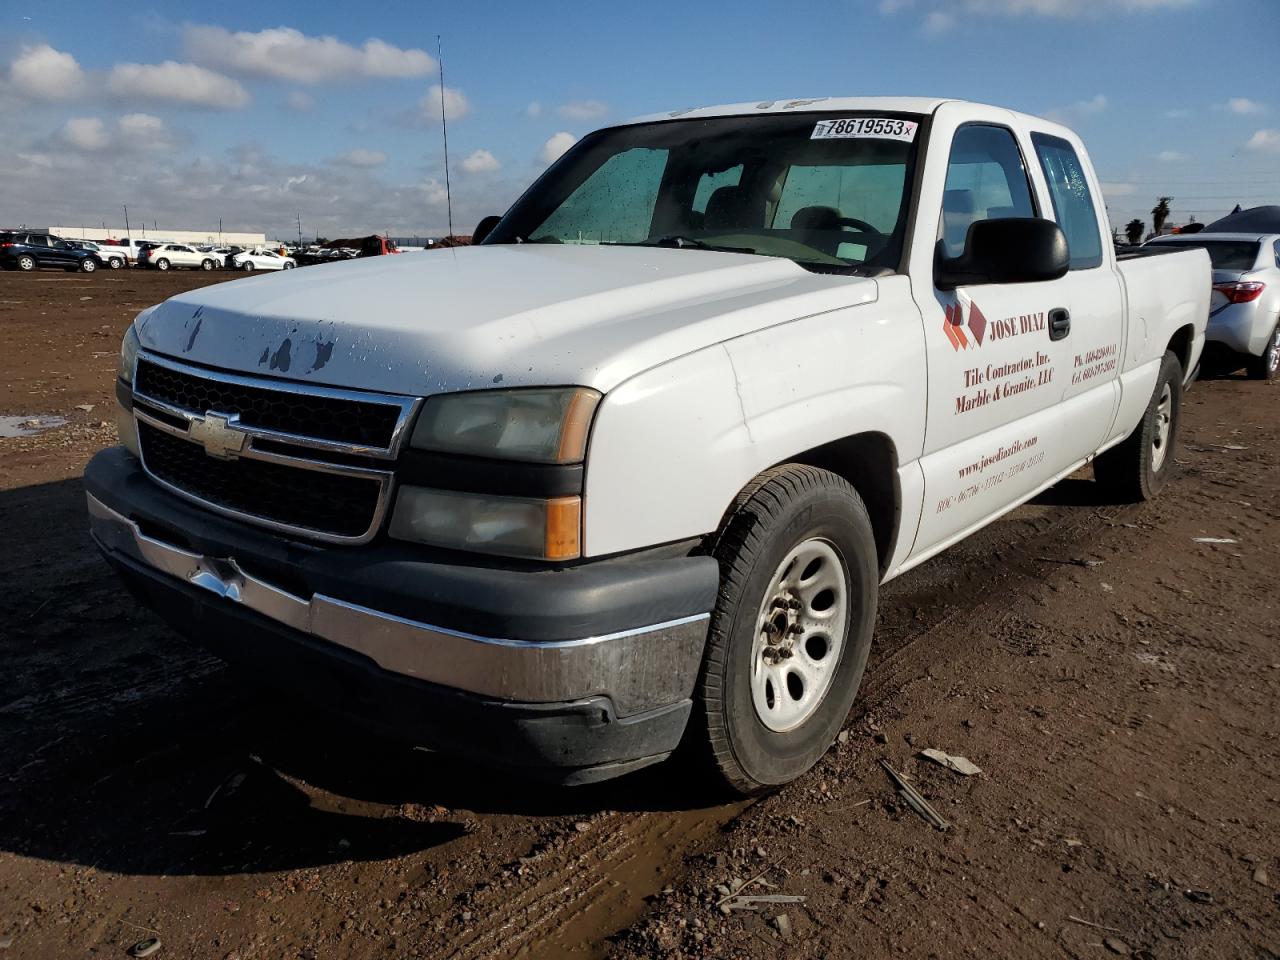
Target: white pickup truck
[(627, 476)]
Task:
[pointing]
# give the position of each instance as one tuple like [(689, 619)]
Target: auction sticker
[(882, 128)]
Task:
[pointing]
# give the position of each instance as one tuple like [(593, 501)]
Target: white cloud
[(1170, 156), (1244, 105), (86, 133), (890, 7), (456, 105), (938, 22), (555, 147), (363, 158), (183, 83), (283, 53), (300, 101), (1264, 141), (1071, 8), (43, 73), (534, 109), (1081, 108), (1116, 189), (481, 161), (583, 110), (434, 192), (1178, 114)]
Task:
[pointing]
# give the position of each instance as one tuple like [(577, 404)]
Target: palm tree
[(1160, 213), (1133, 231)]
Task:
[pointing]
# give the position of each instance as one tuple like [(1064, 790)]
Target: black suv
[(27, 251)]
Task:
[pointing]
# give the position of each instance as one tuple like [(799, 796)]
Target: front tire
[(1266, 366), (1138, 468), (206, 264), (115, 263), (247, 267), (162, 264), (791, 630), (88, 266)]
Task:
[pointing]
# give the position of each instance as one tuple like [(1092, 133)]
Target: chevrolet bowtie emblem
[(219, 434)]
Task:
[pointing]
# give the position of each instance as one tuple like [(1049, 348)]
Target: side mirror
[(483, 229), (1014, 250)]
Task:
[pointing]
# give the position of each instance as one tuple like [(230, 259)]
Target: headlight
[(128, 355), (536, 425), (509, 526)]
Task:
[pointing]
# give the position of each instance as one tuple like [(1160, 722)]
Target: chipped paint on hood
[(467, 318)]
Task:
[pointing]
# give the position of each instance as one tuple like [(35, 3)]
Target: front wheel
[(247, 266), (115, 263), (791, 629), (162, 264), (1266, 366), (206, 264), (1138, 468), (288, 266), (87, 265)]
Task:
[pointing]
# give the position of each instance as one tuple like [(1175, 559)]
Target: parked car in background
[(260, 260), (630, 472), (128, 246), (1244, 314), (115, 259), (169, 255), (22, 250)]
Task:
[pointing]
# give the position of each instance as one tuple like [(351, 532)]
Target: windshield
[(829, 191), (1223, 254)]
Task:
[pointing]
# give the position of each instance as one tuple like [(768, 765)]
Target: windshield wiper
[(680, 242)]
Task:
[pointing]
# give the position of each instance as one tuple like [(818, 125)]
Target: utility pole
[(127, 234), (444, 127), (299, 229)]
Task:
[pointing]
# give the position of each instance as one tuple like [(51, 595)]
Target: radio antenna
[(444, 127)]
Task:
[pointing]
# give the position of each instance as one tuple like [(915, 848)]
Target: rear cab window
[(1073, 206), (1238, 255)]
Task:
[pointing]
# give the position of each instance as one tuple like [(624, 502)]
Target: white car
[(1244, 315), (113, 257), (170, 255), (629, 473), (261, 260)]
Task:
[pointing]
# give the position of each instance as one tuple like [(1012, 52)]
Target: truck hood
[(472, 317)]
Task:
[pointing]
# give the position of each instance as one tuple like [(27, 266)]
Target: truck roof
[(825, 104)]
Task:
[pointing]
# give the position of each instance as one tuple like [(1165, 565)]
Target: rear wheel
[(162, 264), (1266, 366), (288, 266), (791, 629), (1137, 468), (206, 264), (115, 263), (26, 262)]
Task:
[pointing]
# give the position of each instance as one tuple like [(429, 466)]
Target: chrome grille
[(292, 457)]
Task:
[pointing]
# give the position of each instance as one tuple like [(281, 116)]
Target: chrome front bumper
[(638, 670)]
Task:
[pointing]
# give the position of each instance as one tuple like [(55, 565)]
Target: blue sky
[(192, 112)]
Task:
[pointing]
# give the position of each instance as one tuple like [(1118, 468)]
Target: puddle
[(28, 426)]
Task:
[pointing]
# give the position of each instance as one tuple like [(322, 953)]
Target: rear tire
[(115, 263), (162, 264), (1138, 468), (206, 264), (782, 665), (1266, 366), (26, 263)]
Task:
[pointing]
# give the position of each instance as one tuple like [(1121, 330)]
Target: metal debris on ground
[(1072, 561), (960, 765), (1198, 896), (1089, 923), (913, 798), (145, 948), (1213, 540)]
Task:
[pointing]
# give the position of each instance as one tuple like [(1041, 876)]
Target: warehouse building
[(139, 232)]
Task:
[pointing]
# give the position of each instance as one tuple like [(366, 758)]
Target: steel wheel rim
[(1273, 361), (799, 635), (1164, 428)]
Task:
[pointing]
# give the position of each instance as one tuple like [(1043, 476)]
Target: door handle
[(1059, 323)]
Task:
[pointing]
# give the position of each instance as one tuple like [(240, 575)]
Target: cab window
[(1072, 204), (614, 204), (986, 180)]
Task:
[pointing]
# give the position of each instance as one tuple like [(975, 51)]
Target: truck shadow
[(126, 748)]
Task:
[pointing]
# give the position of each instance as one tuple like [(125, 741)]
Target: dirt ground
[(1117, 682)]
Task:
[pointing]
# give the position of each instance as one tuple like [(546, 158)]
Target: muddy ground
[(1122, 708)]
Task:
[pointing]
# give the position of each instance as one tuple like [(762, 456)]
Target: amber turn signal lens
[(564, 528)]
